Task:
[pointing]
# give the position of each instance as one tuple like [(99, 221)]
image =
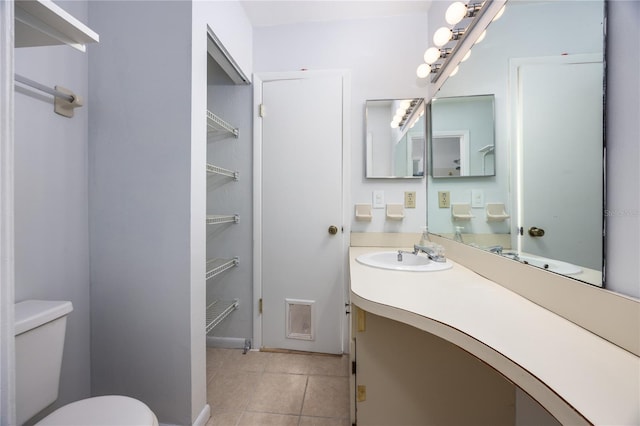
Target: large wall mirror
[(543, 62), (395, 138)]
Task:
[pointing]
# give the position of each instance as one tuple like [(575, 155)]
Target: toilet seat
[(108, 410)]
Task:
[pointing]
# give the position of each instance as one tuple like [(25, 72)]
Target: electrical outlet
[(444, 199), (410, 199)]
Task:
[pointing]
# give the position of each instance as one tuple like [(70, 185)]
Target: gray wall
[(51, 199), (623, 148), (140, 192)]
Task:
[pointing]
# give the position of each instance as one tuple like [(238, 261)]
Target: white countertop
[(560, 364)]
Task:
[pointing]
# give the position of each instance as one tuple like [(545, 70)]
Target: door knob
[(333, 230), (536, 232)]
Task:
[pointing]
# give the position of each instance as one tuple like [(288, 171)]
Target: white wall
[(51, 198), (232, 27), (145, 239), (382, 55)]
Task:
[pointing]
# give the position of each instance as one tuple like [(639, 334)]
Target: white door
[(562, 164), (299, 233)]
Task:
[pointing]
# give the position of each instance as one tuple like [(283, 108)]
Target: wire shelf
[(217, 311), (216, 124), (218, 266), (224, 172), (215, 219)]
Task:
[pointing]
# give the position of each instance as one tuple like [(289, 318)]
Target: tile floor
[(267, 388)]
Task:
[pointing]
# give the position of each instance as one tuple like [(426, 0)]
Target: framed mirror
[(544, 64), (462, 136), (395, 138)]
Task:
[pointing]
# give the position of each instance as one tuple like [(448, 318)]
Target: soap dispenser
[(458, 235), (424, 239)]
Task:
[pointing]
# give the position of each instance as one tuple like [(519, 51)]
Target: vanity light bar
[(480, 14)]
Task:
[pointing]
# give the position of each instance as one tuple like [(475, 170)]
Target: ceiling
[(264, 13)]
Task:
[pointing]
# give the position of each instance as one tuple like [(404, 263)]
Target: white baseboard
[(203, 417), (225, 342), (201, 420)]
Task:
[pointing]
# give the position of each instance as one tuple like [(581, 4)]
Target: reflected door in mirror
[(561, 155), (462, 136)]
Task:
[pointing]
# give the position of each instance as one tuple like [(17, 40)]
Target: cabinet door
[(410, 377)]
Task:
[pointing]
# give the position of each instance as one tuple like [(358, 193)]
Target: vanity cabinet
[(403, 375), (217, 309)]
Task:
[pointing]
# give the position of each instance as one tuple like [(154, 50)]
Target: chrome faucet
[(430, 252), (511, 254), (495, 249)]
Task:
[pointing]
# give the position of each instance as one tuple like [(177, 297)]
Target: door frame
[(258, 80), (7, 190)]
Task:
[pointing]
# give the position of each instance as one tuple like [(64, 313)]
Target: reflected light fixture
[(482, 36), (437, 56), (499, 14), (404, 112)]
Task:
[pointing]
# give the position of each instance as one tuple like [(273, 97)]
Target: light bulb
[(400, 111), (482, 36), (405, 104), (455, 71), (466, 56), (499, 14), (395, 124), (431, 55), (442, 36), (423, 71), (455, 13)]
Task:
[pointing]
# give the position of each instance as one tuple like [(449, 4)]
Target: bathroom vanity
[(450, 347)]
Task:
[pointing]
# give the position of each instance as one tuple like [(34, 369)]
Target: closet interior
[(229, 248)]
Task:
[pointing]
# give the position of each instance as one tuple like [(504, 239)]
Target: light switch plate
[(378, 199), (409, 199), (444, 199), (477, 198)]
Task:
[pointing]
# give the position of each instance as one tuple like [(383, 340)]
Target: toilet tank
[(39, 331)]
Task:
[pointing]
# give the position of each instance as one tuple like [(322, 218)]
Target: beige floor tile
[(251, 361), (250, 418), (231, 390), (224, 418), (327, 396), (324, 365), (288, 363), (323, 421), (278, 393), (215, 357)]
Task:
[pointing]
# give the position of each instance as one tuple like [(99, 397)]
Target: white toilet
[(39, 329)]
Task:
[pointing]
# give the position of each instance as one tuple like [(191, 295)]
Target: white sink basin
[(409, 262), (552, 265)]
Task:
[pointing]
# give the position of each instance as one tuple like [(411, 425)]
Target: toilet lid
[(102, 411)]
